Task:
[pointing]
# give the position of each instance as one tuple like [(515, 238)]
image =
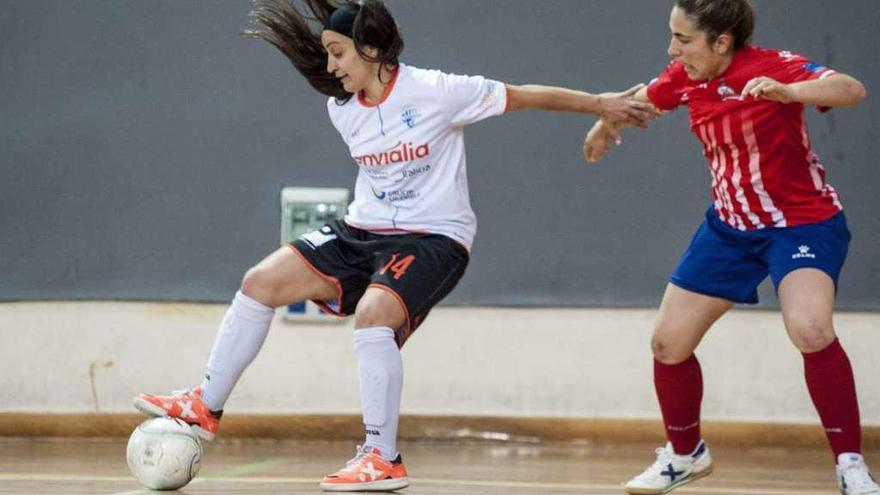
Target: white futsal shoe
[(853, 476), (671, 471)]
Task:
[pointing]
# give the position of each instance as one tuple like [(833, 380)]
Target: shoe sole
[(155, 411), (654, 491), (373, 486)]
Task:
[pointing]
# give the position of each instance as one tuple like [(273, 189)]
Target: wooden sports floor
[(232, 467)]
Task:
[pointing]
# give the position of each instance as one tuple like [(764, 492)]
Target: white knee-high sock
[(381, 375), (239, 339)]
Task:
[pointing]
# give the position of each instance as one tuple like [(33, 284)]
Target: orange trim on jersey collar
[(385, 93)]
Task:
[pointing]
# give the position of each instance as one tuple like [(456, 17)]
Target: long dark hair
[(298, 36), (717, 17)]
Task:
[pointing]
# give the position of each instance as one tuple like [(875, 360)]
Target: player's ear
[(370, 51), (723, 44)]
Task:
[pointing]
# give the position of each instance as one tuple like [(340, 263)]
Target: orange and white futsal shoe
[(185, 405), (367, 472)]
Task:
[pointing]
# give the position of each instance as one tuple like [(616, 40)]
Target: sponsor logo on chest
[(399, 153)]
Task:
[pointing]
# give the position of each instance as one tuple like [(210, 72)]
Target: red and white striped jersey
[(764, 171)]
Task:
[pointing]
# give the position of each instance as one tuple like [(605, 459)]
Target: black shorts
[(417, 269)]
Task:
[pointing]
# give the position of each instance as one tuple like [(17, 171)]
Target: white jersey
[(409, 149)]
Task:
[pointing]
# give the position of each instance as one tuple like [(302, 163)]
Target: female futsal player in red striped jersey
[(773, 213), (405, 241)]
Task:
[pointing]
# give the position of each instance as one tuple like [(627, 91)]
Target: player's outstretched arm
[(598, 140), (837, 90), (615, 108)]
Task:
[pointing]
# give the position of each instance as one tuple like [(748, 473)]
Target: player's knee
[(811, 335), (258, 284), (368, 315), (665, 351), (374, 314)]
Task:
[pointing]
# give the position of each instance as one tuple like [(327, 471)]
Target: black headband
[(342, 19)]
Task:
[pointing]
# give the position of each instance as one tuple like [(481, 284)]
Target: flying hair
[(296, 32)]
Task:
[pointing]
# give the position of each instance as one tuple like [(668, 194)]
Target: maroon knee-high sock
[(833, 390), (680, 390)]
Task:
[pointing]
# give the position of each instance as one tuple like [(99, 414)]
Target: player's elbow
[(859, 93), (854, 92)]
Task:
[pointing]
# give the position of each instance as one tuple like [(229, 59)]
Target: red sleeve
[(666, 91), (792, 68)]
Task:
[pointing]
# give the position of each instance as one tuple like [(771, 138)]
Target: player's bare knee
[(258, 284), (811, 335), (665, 352), (368, 315), (374, 314), (658, 348)]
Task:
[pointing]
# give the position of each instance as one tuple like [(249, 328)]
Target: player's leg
[(411, 276), (805, 264), (377, 464), (714, 273), (683, 320), (806, 297), (281, 278), (380, 366)]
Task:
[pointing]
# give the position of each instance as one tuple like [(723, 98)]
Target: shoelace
[(183, 391), (857, 478), (354, 461), (664, 458)]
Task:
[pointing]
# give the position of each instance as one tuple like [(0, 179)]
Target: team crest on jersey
[(727, 93), (410, 116)]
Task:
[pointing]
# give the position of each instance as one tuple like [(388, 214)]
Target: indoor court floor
[(231, 467)]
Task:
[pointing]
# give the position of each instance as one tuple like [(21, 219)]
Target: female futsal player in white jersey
[(405, 241)]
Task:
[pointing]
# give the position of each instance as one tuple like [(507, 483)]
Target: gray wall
[(143, 145)]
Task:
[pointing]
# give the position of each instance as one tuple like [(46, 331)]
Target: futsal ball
[(164, 454)]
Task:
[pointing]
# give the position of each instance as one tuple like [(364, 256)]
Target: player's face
[(690, 46), (344, 62)]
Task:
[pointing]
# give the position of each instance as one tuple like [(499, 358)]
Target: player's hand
[(621, 108), (598, 140), (765, 88)]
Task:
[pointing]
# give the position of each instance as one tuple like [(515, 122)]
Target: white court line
[(427, 481), (238, 471)]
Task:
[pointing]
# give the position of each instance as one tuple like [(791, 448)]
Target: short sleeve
[(667, 89), (470, 99), (796, 68)]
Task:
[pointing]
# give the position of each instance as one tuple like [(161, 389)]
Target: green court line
[(247, 469)]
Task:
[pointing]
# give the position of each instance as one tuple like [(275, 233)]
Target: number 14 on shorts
[(398, 267)]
